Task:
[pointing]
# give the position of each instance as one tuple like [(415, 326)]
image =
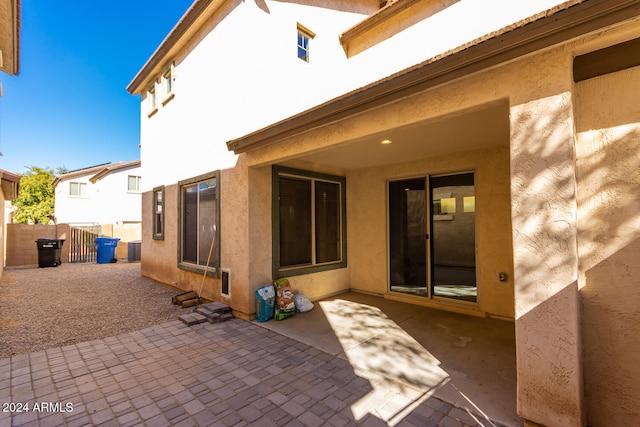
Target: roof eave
[(12, 57), (10, 183), (171, 42), (78, 172), (113, 168), (16, 37), (564, 22)]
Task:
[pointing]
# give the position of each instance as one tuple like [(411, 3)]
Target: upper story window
[(304, 36), (152, 99), (133, 183), (78, 189), (167, 84)]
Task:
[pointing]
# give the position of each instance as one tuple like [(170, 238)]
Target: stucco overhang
[(183, 33), (10, 183), (559, 24), (10, 36), (396, 10)]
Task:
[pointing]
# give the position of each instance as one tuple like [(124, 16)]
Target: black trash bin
[(49, 252)]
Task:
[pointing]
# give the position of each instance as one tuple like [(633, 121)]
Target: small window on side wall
[(158, 213), (133, 183), (152, 99), (304, 36), (167, 84)]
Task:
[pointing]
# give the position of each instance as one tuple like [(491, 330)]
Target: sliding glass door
[(453, 241), (432, 237), (407, 232)]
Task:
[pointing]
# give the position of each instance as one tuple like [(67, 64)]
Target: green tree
[(36, 198)]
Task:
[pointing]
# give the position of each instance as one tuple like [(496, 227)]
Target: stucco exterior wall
[(159, 257), (368, 230), (542, 211), (608, 172), (556, 205), (246, 249), (215, 102)]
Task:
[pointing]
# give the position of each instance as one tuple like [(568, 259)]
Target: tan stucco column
[(548, 342), (246, 232)]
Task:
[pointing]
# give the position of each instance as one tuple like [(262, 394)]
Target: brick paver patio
[(234, 373)]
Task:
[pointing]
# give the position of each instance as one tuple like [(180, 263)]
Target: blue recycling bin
[(106, 248)]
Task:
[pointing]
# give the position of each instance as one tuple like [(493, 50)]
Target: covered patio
[(467, 361)]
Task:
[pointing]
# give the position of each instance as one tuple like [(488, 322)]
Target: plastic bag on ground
[(303, 304)]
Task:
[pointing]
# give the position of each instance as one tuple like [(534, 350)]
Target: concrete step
[(215, 307), (192, 318), (215, 312)]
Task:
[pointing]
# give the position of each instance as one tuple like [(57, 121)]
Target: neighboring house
[(9, 186), (477, 157), (103, 194)]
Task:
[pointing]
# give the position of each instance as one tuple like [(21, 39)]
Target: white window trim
[(168, 75), (81, 186), (309, 35), (152, 99), (138, 182)]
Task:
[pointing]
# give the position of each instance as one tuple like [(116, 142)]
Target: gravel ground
[(41, 308)]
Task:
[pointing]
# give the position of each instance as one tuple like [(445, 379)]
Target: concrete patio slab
[(466, 361)]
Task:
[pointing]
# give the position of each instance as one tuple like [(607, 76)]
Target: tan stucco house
[(478, 157)]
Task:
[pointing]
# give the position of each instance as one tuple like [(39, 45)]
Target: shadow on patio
[(466, 361)]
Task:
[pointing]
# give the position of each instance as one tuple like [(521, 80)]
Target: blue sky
[(69, 106)]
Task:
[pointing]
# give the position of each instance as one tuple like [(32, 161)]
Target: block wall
[(21, 248)]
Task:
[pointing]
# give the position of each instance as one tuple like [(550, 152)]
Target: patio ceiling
[(467, 130)]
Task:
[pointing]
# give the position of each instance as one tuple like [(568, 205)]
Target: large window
[(199, 223), (309, 222), (158, 213)]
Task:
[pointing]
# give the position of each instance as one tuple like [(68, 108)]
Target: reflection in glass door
[(432, 245), (407, 232), (453, 242)]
